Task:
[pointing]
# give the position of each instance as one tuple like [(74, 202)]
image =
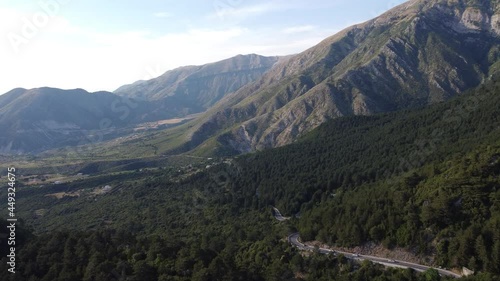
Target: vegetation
[(426, 180), (116, 255), (348, 152), (450, 210)]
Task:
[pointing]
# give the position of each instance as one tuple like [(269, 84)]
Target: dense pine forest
[(426, 180)]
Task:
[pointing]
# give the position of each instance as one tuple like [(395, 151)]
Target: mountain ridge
[(419, 53), (37, 119), (203, 85), (34, 119)]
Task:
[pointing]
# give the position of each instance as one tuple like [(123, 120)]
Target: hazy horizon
[(72, 44)]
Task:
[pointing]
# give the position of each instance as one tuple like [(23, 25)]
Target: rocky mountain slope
[(200, 87), (419, 53)]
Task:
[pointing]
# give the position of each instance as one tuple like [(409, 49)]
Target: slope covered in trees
[(427, 180), (348, 152)]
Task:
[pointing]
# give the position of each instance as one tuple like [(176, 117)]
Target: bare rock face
[(471, 19), (475, 19), (495, 24)]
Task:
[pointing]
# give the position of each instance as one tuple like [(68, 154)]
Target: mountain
[(416, 185), (419, 53), (200, 87), (43, 118), (425, 180)]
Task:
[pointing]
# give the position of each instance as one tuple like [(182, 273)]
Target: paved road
[(294, 239)]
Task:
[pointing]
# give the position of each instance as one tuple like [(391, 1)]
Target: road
[(294, 239)]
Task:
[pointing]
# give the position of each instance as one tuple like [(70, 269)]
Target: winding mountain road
[(294, 239)]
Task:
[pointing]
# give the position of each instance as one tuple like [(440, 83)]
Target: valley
[(373, 155), (158, 201)]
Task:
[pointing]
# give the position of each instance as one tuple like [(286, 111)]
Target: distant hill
[(45, 118), (200, 87)]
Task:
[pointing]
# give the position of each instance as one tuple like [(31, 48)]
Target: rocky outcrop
[(475, 19), (495, 23)]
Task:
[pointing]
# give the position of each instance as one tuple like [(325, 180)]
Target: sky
[(102, 45)]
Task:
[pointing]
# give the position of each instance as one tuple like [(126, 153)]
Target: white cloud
[(299, 29)]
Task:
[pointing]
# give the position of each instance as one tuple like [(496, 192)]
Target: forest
[(426, 180)]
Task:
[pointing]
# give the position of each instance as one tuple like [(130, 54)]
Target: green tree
[(432, 275), (143, 271)]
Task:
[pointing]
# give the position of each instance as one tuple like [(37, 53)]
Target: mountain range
[(419, 53), (44, 118), (382, 141), (419, 186), (37, 119), (202, 85)]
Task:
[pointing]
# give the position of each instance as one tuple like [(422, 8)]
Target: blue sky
[(101, 45)]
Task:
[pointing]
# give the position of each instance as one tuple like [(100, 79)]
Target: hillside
[(200, 87), (351, 151), (427, 180), (419, 53), (38, 119)]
